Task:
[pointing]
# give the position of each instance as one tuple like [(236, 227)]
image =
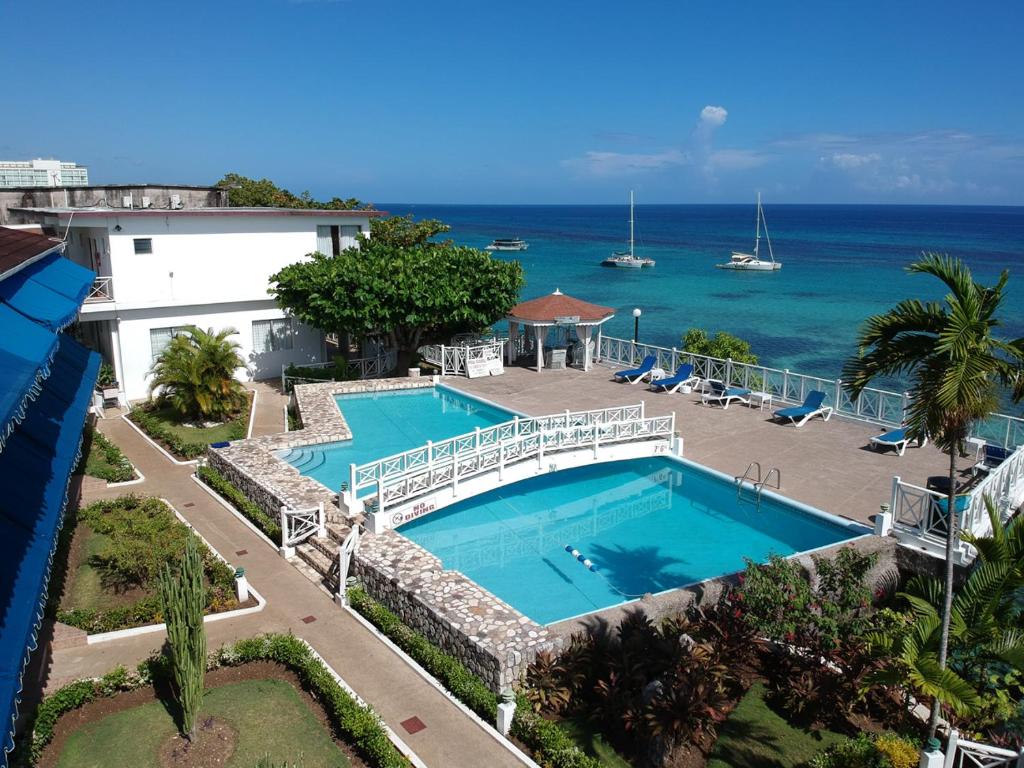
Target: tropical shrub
[(195, 375), (722, 345), (775, 599), (230, 493), (106, 376), (886, 750), (155, 428)]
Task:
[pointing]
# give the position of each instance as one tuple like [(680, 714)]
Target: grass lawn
[(755, 737), (85, 589), (268, 715), (228, 431), (590, 740)]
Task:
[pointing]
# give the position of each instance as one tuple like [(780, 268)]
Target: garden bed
[(185, 441), (103, 459), (314, 703), (108, 558), (263, 702)]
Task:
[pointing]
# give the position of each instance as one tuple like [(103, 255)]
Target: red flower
[(790, 637), (879, 593), (737, 613)]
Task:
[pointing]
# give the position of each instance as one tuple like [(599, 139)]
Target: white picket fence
[(878, 406)]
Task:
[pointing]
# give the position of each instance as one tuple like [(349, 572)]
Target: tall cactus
[(184, 597)]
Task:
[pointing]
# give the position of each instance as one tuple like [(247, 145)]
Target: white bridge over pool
[(408, 485)]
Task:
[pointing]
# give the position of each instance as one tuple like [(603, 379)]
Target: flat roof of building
[(142, 185), (18, 247), (105, 213)]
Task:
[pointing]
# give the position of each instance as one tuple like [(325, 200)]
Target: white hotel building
[(159, 270)]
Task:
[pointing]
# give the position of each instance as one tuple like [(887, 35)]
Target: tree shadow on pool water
[(638, 570)]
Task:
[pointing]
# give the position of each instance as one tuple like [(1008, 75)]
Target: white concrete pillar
[(538, 331), (241, 585), (284, 550), (883, 521), (506, 711)]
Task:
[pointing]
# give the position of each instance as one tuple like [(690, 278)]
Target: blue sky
[(547, 102)]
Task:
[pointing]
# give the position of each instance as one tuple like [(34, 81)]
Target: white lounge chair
[(896, 439), (801, 414)]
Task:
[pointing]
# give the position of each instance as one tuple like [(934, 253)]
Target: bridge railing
[(878, 406), (477, 459), (297, 525), (362, 476)]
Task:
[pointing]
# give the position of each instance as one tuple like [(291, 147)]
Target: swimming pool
[(385, 423), (649, 525)]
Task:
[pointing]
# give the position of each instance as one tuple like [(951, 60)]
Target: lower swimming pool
[(649, 525)]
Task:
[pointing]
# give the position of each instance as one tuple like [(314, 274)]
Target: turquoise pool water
[(385, 423), (648, 525)]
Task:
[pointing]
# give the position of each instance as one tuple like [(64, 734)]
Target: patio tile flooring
[(827, 465)]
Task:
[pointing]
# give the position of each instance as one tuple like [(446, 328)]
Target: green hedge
[(356, 723), (230, 493), (152, 426), (102, 459), (551, 746)]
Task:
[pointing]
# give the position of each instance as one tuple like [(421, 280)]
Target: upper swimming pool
[(649, 525), (385, 423)]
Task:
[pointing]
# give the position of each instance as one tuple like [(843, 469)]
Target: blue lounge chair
[(896, 438), (683, 376), (813, 406), (633, 375), (993, 456), (724, 395)]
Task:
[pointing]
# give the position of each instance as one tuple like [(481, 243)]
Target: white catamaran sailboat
[(629, 260), (752, 261)]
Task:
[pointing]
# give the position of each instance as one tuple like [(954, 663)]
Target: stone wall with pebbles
[(488, 636)]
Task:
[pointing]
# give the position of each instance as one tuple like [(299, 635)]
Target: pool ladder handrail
[(746, 476), (759, 483)]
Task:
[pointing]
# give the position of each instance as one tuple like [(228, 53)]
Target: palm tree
[(956, 364), (196, 374)]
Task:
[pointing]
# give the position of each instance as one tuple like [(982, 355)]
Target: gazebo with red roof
[(557, 309)]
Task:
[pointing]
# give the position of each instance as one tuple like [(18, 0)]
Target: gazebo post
[(586, 347), (540, 346), (513, 332)]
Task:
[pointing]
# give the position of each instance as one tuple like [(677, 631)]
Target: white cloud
[(622, 163), (850, 160), (714, 116)]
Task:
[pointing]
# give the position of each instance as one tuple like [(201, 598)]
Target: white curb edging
[(120, 634), (231, 508), (430, 679), (394, 737), (157, 445)]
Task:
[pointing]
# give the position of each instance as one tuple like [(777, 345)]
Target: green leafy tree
[(412, 295), (956, 363), (183, 598), (723, 345), (404, 231), (195, 374), (263, 193)]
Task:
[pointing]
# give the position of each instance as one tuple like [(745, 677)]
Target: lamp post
[(636, 329)]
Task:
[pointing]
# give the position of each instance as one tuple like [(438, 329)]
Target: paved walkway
[(395, 690), (269, 418)]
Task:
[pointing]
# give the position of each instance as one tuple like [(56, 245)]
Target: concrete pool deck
[(827, 465)]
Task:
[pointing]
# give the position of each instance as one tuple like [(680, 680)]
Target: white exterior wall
[(207, 270), (136, 349)]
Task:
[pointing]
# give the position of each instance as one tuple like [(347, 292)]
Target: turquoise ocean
[(842, 263)]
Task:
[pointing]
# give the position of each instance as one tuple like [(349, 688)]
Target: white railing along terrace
[(297, 525), (371, 473), (366, 367), (961, 753), (456, 360), (495, 457), (874, 405), (922, 512)]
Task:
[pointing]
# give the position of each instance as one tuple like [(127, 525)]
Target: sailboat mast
[(757, 237), (631, 223)]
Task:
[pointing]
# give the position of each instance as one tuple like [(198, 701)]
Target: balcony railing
[(102, 290)]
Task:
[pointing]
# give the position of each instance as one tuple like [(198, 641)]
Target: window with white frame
[(143, 244), (273, 335), (159, 338), (332, 239)]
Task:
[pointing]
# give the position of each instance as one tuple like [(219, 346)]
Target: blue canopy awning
[(34, 470), (25, 356), (49, 290)]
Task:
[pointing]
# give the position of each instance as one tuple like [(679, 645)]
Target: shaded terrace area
[(827, 465)]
